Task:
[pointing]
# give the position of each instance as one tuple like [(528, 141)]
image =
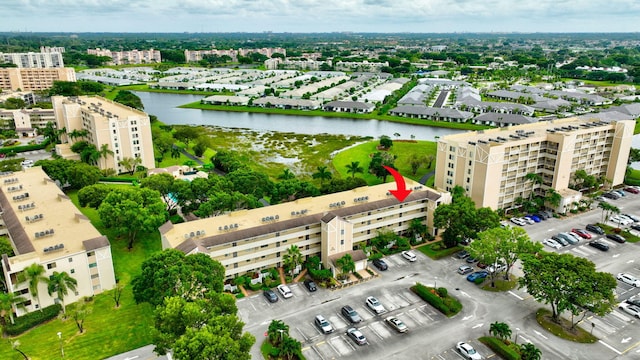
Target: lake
[(164, 106)]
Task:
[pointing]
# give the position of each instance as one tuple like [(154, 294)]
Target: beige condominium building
[(125, 131), (26, 121), (34, 59), (329, 226), (492, 165), (29, 79), (45, 228)]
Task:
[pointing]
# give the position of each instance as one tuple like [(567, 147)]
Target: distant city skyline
[(300, 16)]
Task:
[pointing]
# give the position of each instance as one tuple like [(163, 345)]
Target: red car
[(632, 190), (582, 233)]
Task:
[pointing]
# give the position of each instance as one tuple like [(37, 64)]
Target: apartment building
[(129, 57), (197, 55), (329, 226), (26, 121), (30, 79), (492, 165), (45, 228), (34, 60), (124, 130)]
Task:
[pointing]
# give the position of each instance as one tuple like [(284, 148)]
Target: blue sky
[(320, 15)]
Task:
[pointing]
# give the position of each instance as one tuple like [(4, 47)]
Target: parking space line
[(620, 316), (610, 347)]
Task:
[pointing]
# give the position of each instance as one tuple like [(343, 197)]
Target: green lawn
[(403, 150), (109, 331)]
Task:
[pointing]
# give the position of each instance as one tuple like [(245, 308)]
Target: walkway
[(426, 177), (282, 278)]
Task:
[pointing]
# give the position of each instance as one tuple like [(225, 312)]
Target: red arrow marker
[(402, 192)]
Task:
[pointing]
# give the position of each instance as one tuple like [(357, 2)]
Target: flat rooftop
[(40, 216), (103, 107)]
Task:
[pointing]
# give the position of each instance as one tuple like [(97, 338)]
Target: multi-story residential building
[(124, 130), (52, 49), (28, 97), (34, 60), (45, 228), (197, 55), (129, 57), (26, 121), (329, 226), (29, 79), (492, 165)]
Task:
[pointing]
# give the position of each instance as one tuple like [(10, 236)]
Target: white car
[(528, 220), (498, 267), (409, 256), (284, 291), (552, 243), (375, 305), (632, 217), (397, 324), (630, 309), (628, 279), (518, 221), (467, 351), (620, 220)]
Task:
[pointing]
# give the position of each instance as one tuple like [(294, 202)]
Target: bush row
[(32, 319), (500, 348), (23, 148), (118, 179), (440, 300)]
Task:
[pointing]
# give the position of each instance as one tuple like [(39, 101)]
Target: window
[(73, 271), (342, 242), (91, 253), (51, 265), (342, 232), (92, 265), (70, 259)]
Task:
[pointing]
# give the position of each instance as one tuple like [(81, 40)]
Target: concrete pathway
[(283, 280), (427, 176)]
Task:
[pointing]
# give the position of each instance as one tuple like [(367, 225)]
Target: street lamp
[(435, 283), (281, 331), (61, 348)]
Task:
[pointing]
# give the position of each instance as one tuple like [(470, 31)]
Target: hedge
[(23, 148), (118, 179), (447, 305), (32, 319), (500, 348)]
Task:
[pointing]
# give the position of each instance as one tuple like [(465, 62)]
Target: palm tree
[(292, 258), (346, 264), (535, 179), (130, 163), (322, 174), (354, 168), (286, 175), (500, 330), (8, 301), (105, 152), (33, 274), (553, 198), (290, 347), (277, 331), (528, 351), (417, 228), (175, 152), (61, 283)]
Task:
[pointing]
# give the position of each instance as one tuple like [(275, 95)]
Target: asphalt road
[(432, 335)]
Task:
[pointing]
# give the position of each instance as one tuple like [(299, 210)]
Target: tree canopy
[(172, 273)]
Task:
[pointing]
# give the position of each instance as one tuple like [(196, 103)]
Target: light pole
[(435, 283), (61, 348), (281, 331)]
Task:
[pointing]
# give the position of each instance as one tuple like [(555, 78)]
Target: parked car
[(324, 325), (548, 213), (467, 351), (634, 218), (619, 192), (633, 301), (542, 216), (611, 195), (518, 221), (409, 255), (497, 267), (357, 336), (529, 221), (533, 217), (270, 295), (351, 314), (462, 254), (631, 310), (620, 220), (552, 243), (560, 240), (481, 265), (396, 324), (617, 238), (582, 233), (628, 279), (632, 190), (471, 260), (375, 305), (570, 239), (635, 227), (599, 245), (380, 264), (465, 269), (310, 285), (595, 229), (284, 291), (477, 275)]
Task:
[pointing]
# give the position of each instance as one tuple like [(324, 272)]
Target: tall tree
[(131, 211), (534, 179), (529, 351), (346, 264), (500, 330), (277, 331), (322, 174), (34, 275), (105, 152), (292, 258), (172, 273), (379, 161), (130, 164), (286, 175), (79, 313), (568, 283), (8, 301), (162, 183), (61, 283), (354, 168)]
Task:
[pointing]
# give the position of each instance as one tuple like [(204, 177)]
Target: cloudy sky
[(320, 15)]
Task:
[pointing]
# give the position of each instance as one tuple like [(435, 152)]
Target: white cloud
[(320, 15)]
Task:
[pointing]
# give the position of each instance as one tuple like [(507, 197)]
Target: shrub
[(32, 319), (500, 348), (427, 295), (118, 179), (442, 292), (357, 275), (375, 256)]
